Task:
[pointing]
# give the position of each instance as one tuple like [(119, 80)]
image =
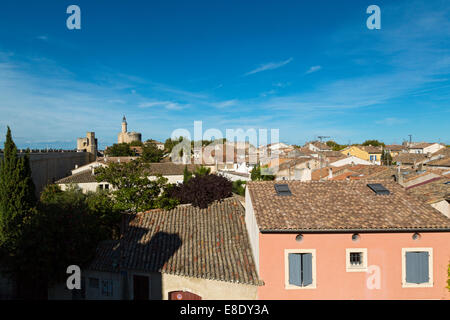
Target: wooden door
[(183, 295), (140, 288)]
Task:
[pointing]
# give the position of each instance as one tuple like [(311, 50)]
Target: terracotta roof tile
[(169, 168), (444, 162), (432, 190), (410, 158), (395, 147), (341, 206), (85, 176), (371, 149), (420, 145), (209, 243)]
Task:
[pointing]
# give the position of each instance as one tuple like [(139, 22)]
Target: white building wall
[(350, 160), (60, 291), (233, 177), (443, 206), (433, 148), (252, 228), (85, 187), (171, 179)]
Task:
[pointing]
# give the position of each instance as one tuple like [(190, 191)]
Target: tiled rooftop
[(410, 158), (81, 177), (209, 243), (169, 168), (341, 206), (395, 147), (432, 190)]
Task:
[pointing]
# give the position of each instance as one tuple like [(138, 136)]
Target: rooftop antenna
[(322, 137)]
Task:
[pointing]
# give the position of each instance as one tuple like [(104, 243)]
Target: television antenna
[(322, 137)]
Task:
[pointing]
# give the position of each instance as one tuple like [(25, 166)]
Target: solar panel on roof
[(282, 190), (378, 188)]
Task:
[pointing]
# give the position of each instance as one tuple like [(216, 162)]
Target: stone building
[(88, 144), (128, 137)]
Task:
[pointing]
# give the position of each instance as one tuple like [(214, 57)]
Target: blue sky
[(308, 68)]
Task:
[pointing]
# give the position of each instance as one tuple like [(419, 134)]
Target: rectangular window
[(107, 288), (106, 186), (356, 260), (300, 269), (417, 267)]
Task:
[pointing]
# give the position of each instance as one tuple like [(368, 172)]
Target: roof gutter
[(355, 230)]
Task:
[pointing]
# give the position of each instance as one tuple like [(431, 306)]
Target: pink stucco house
[(346, 240)]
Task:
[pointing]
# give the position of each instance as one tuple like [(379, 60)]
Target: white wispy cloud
[(269, 66), (162, 104), (390, 121), (225, 104), (313, 69)]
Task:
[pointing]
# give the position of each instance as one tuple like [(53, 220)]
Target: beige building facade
[(88, 144)]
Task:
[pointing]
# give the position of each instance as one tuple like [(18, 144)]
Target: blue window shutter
[(412, 270), (422, 260), (307, 269), (295, 269)]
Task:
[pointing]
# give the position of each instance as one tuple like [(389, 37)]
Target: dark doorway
[(140, 288), (183, 295)]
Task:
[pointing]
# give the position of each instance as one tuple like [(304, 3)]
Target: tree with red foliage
[(200, 191)]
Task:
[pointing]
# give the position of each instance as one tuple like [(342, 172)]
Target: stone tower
[(124, 125), (88, 144), (126, 137)]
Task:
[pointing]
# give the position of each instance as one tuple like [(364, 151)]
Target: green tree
[(448, 277), (256, 175), (132, 189), (239, 187), (169, 144), (108, 217), (374, 143), (187, 175), (62, 233), (17, 194), (202, 171), (151, 153), (386, 158), (335, 146), (119, 150), (136, 143), (198, 172)]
